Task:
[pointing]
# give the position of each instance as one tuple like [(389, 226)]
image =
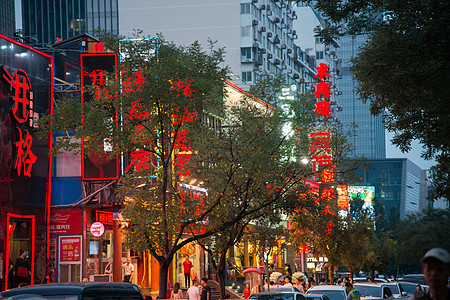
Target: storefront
[(26, 92)]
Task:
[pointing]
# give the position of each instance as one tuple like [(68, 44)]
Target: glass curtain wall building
[(44, 21), (398, 183), (369, 137), (7, 20)]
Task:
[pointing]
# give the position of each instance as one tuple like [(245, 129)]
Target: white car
[(333, 292), (374, 291)]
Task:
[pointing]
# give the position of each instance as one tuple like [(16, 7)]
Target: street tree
[(410, 93), (420, 232)]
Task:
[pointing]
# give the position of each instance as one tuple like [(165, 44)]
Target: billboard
[(365, 193)]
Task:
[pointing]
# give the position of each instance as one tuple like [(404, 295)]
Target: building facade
[(25, 168), (45, 22), (368, 139), (398, 183), (258, 35), (7, 18)]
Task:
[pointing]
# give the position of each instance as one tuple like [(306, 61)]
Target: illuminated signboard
[(101, 165), (365, 193)]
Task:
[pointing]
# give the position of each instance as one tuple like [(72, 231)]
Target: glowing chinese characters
[(322, 90), (19, 85)]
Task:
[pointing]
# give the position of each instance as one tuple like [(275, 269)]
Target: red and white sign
[(97, 229), (66, 222), (69, 249)]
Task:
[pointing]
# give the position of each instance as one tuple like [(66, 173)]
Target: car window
[(332, 295), (63, 297), (394, 288), (274, 296), (387, 292), (369, 291)]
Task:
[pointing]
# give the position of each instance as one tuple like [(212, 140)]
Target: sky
[(413, 155)]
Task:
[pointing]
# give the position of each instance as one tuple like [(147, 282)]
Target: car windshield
[(275, 296), (333, 295), (394, 288), (369, 291)]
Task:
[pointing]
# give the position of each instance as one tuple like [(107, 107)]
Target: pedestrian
[(322, 281), (298, 284), (187, 266), (353, 294), (176, 293), (246, 292), (193, 293), (129, 269), (287, 282), (206, 289), (436, 268), (419, 293), (311, 283), (22, 269)]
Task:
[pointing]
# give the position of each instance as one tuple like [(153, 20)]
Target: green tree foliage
[(419, 233), (235, 169), (402, 70)]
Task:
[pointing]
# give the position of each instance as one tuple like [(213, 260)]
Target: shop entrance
[(20, 238)]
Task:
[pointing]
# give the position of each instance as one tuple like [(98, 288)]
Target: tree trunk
[(331, 273), (222, 273), (372, 276), (163, 275), (351, 276)]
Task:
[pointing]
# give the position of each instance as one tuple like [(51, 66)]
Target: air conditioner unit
[(255, 22), (283, 46), (262, 29), (289, 31), (269, 34), (289, 51), (276, 20), (100, 278), (255, 45), (269, 13), (269, 55), (277, 61), (263, 7), (284, 67), (254, 1)]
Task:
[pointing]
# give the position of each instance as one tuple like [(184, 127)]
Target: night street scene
[(225, 149)]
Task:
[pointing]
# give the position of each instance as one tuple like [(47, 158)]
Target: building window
[(247, 76), (246, 53), (319, 55), (245, 31), (245, 8)]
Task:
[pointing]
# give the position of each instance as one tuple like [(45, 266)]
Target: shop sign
[(104, 217), (97, 229), (66, 222), (22, 110), (69, 249)]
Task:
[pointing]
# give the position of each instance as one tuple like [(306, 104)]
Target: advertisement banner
[(66, 222), (69, 249)]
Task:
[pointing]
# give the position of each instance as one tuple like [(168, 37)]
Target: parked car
[(416, 278), (364, 279), (78, 291), (411, 287), (316, 297), (279, 293), (374, 291), (333, 292), (397, 290)]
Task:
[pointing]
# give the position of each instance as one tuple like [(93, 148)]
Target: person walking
[(129, 269), (176, 293), (187, 266), (22, 269), (246, 292), (353, 294), (436, 268), (206, 289), (193, 293)]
